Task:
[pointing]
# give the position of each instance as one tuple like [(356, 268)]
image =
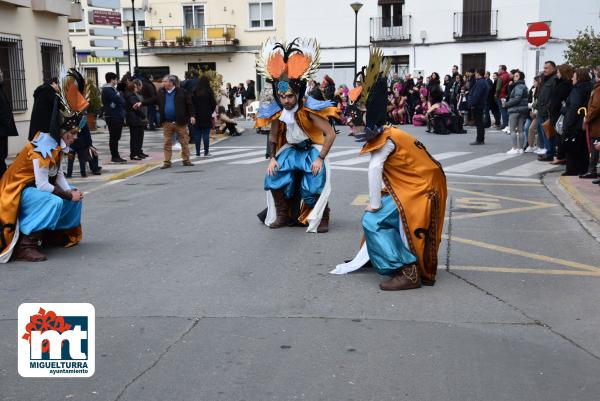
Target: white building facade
[(174, 36), (423, 36)]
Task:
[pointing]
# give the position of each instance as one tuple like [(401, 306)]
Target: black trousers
[(115, 128), (3, 153), (136, 140), (477, 114)]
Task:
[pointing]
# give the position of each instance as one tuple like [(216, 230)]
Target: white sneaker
[(507, 130), (541, 151), (208, 155), (520, 151), (512, 152), (177, 146), (529, 149)]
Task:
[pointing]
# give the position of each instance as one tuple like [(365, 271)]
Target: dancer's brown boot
[(28, 248), (324, 224), (282, 209), (406, 278)]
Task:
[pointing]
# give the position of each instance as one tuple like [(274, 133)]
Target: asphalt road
[(195, 300)]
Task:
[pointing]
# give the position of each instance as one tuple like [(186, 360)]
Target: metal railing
[(182, 36), (390, 29), (13, 70), (476, 23)]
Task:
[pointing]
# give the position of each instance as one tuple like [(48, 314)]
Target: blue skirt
[(387, 250), (292, 161), (44, 211)]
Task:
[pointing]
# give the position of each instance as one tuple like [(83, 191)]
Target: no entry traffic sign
[(538, 33)]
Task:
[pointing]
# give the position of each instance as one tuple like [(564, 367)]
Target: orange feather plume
[(354, 94), (276, 66), (297, 65), (76, 100)]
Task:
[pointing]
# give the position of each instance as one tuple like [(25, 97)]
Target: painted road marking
[(478, 203), (449, 155), (528, 169), (353, 161), (494, 269), (251, 161), (477, 163), (230, 157)]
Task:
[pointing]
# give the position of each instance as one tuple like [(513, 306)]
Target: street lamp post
[(128, 25), (356, 6), (134, 35)]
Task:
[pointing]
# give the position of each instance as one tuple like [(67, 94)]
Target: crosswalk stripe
[(528, 169), (226, 151), (354, 151), (250, 161), (449, 155), (479, 162), (230, 157), (353, 161)]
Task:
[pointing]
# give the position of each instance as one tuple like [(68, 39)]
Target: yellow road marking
[(496, 184), (556, 272), (497, 212), (531, 255), (132, 171), (499, 197), (478, 203), (361, 200)]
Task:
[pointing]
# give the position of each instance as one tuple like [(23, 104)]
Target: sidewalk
[(153, 147), (580, 197)]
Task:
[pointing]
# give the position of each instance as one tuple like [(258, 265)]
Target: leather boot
[(70, 161), (407, 278), (324, 224), (28, 248), (282, 209)]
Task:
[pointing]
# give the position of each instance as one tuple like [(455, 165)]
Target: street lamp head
[(356, 6)]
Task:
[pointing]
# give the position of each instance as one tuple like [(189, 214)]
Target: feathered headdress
[(370, 96), (73, 94), (288, 66)]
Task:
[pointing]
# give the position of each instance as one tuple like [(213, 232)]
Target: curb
[(587, 214)]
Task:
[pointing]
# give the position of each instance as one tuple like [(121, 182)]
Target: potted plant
[(235, 41), (95, 104), (179, 41), (187, 40), (172, 43), (164, 43), (209, 42), (152, 41), (145, 43), (227, 36)]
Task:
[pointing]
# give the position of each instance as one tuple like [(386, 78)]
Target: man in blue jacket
[(477, 103), (114, 114)]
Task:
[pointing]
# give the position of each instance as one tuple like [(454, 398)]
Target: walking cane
[(587, 127)]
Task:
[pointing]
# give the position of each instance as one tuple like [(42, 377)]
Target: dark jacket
[(579, 97), (133, 117), (562, 88), (184, 109), (545, 95), (113, 103), (7, 120), (148, 92), (478, 94), (204, 106), (518, 99), (44, 98), (250, 92)]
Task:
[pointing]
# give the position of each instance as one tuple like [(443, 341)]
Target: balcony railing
[(390, 29), (474, 24), (179, 36)]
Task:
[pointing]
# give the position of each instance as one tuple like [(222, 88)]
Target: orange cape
[(417, 184)]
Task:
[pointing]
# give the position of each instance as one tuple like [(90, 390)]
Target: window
[(78, 26), (193, 16), (477, 15), (140, 17), (391, 12), (13, 71), (52, 58), (261, 14)]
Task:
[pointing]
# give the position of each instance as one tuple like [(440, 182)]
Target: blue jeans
[(199, 135), (526, 130), (548, 144), (503, 113)]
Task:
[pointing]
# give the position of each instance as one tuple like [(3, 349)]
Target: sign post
[(111, 19), (538, 34)]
